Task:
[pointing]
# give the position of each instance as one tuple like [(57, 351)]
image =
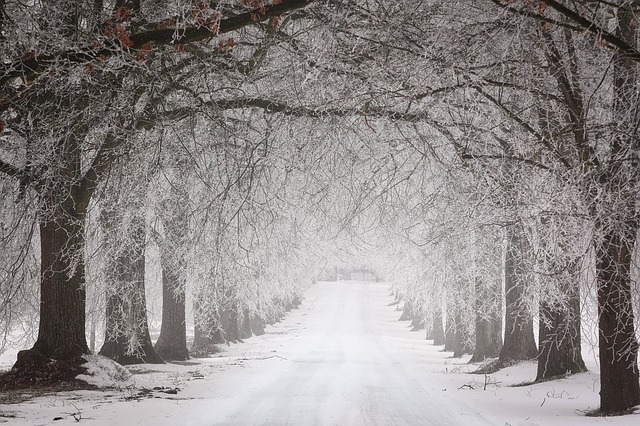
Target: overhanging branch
[(9, 170), (29, 69), (581, 23)]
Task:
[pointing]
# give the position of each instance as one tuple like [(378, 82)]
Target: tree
[(173, 210), (488, 298), (608, 178), (66, 125), (124, 229), (438, 330), (618, 227)]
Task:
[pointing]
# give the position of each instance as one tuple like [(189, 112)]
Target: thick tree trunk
[(207, 332), (559, 331), (61, 333), (617, 228), (519, 342), (559, 335), (438, 329), (461, 338), (244, 325), (488, 335), (257, 325), (619, 386), (230, 325), (172, 342), (450, 333), (127, 338)]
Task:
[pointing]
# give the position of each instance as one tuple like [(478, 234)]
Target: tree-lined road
[(342, 367)]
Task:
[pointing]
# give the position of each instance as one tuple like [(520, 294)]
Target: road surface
[(338, 364)]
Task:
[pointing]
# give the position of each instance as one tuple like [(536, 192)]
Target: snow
[(104, 372), (341, 359)]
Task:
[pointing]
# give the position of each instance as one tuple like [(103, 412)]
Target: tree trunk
[(61, 332), (560, 349), (461, 338), (618, 347), (172, 342), (617, 228), (257, 325), (417, 323), (127, 338), (229, 323), (438, 329), (207, 332), (244, 325), (519, 342), (407, 311), (488, 336), (449, 333)]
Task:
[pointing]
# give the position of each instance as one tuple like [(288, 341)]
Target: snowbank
[(103, 372)]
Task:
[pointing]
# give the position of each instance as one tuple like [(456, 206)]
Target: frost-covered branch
[(526, 126), (10, 170), (469, 156), (581, 24), (159, 35)]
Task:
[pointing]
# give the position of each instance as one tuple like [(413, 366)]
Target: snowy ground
[(341, 359)]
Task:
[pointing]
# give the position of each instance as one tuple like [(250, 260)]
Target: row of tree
[(537, 105), (247, 138)]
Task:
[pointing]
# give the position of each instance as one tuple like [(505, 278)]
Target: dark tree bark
[(615, 228), (560, 349), (127, 338), (245, 325), (54, 172), (61, 333), (237, 325), (450, 333), (438, 329), (559, 345), (461, 338), (172, 342), (488, 336), (229, 323), (257, 325), (618, 347), (207, 332), (519, 342), (2, 20)]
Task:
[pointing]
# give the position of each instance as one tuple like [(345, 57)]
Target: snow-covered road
[(342, 358), (341, 368)]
